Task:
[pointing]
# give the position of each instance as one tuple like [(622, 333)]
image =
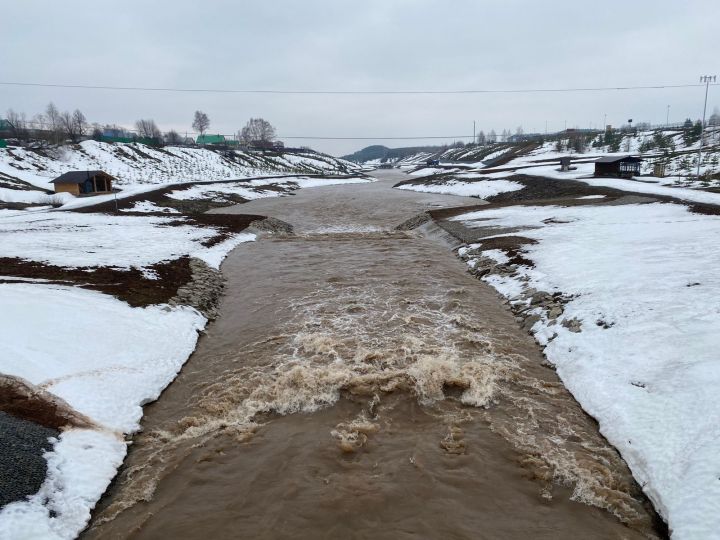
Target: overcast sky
[(362, 45)]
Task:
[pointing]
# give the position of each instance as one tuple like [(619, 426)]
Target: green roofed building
[(211, 139)]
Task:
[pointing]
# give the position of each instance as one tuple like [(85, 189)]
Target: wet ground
[(359, 383)]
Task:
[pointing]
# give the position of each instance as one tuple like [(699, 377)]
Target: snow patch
[(481, 189)]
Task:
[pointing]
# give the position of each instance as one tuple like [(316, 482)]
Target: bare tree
[(481, 139), (173, 137), (257, 131), (54, 124), (97, 132), (18, 125), (492, 136), (79, 123), (73, 125), (201, 122), (714, 118), (147, 129), (67, 126)]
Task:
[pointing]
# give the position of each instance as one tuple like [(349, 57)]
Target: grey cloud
[(371, 45)]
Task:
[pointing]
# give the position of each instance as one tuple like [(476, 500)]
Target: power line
[(350, 92), (43, 126), (376, 138)]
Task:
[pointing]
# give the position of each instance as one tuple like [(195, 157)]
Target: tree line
[(58, 127)]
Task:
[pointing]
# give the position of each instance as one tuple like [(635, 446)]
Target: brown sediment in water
[(362, 384)]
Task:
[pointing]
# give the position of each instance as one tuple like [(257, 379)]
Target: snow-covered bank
[(259, 188), (636, 339), (100, 355), (646, 185), (480, 188), (103, 357), (75, 240)]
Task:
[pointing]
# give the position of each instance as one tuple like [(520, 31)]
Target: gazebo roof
[(615, 159), (77, 177)]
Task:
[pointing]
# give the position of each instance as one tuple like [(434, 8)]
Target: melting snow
[(645, 364), (481, 188)]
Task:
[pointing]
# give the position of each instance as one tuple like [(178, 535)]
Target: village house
[(211, 139), (619, 166), (84, 183)]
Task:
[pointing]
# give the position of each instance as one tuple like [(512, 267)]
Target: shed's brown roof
[(78, 177)]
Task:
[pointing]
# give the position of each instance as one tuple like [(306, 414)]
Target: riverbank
[(615, 288)]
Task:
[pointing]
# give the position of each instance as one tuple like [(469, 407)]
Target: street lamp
[(703, 79)]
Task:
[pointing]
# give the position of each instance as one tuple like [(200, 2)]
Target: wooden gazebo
[(620, 166), (84, 183)]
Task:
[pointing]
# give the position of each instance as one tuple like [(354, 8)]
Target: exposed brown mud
[(33, 404), (359, 383)]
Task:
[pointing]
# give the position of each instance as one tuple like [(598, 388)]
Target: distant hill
[(383, 153)]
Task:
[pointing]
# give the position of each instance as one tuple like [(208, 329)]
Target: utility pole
[(605, 122), (667, 117), (474, 140), (704, 79)]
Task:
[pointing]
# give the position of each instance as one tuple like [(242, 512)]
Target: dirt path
[(360, 384)]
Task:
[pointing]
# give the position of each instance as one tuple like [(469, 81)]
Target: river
[(359, 383)]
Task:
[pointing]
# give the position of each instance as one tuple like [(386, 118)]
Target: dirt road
[(360, 384)]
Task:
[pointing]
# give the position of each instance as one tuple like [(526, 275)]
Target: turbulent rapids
[(359, 378)]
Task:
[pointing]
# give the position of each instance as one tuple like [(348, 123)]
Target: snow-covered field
[(139, 169), (677, 154), (71, 239), (646, 185), (641, 282), (480, 188), (257, 189)]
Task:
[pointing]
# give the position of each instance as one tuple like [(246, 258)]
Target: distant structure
[(619, 166), (564, 164), (4, 128), (659, 170), (211, 139), (266, 145), (84, 183)]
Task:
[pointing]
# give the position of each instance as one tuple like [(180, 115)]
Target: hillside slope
[(135, 163)]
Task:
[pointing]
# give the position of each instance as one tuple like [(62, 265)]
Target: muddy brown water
[(360, 384)]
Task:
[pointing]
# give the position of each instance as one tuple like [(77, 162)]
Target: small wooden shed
[(619, 166), (84, 183)]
